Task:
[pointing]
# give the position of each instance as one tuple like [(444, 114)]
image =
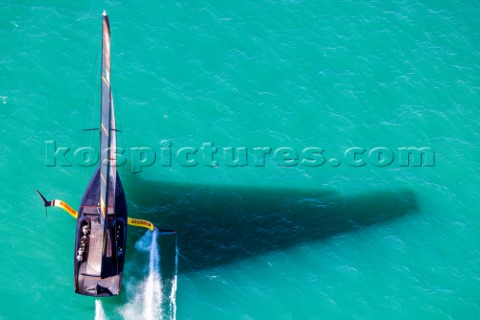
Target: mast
[(107, 132)]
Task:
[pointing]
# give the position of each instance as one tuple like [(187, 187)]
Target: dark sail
[(107, 134)]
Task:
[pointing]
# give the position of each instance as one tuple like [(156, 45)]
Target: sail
[(107, 135)]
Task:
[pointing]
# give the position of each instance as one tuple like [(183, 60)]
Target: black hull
[(100, 244)]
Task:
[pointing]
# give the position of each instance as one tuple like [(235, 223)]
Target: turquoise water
[(255, 242)]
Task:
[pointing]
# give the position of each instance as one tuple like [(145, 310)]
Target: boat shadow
[(218, 225)]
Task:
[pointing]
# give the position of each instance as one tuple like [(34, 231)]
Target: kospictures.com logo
[(209, 155)]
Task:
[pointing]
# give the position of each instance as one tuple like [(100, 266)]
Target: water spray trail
[(99, 312), (153, 289), (173, 294), (147, 297)]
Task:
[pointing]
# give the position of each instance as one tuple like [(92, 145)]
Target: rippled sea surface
[(304, 227)]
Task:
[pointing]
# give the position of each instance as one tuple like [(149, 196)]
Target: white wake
[(99, 312), (148, 296), (173, 293)]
